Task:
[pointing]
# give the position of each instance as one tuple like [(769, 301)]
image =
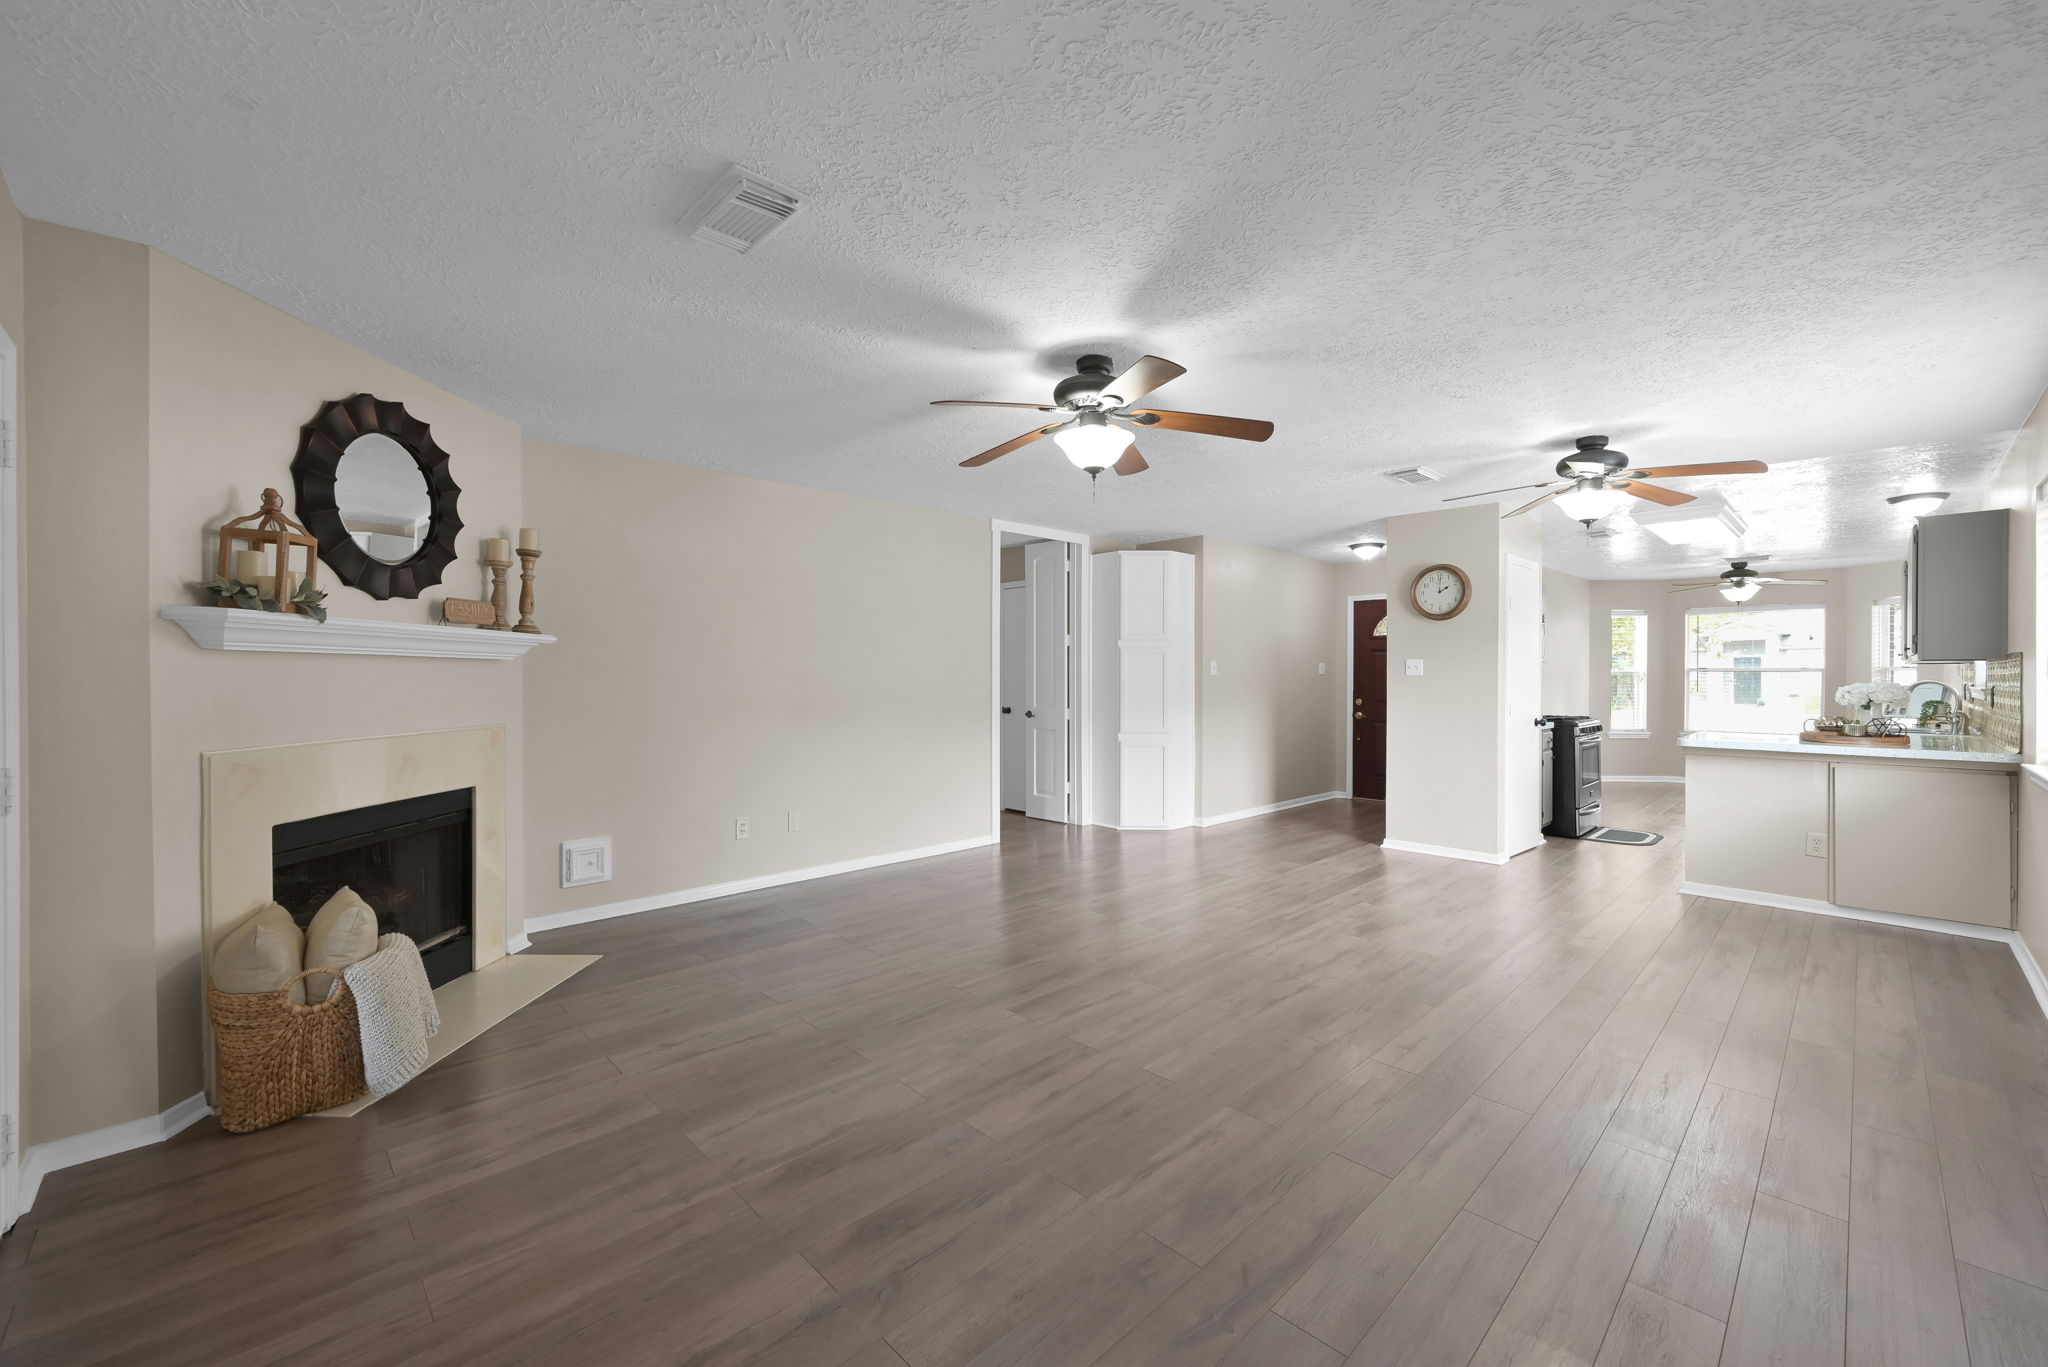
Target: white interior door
[(1045, 703), (10, 814), (1522, 807), (1014, 662)]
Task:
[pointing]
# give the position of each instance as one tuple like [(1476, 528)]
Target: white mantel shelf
[(244, 629)]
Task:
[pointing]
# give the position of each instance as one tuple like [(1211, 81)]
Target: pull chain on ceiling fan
[(1595, 481), (1094, 432)]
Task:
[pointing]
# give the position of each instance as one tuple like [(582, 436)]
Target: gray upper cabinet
[(1955, 586)]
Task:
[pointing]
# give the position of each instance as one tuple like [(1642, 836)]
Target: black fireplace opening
[(410, 860)]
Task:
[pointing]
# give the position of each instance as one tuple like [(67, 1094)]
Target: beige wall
[(2016, 486), (733, 648), (1443, 734), (90, 961), (13, 291), (230, 382), (1568, 646), (161, 402), (1658, 755)]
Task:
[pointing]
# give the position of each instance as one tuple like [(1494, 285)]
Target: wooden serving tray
[(1836, 738)]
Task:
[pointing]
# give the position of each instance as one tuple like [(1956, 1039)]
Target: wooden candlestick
[(498, 603), (526, 622)]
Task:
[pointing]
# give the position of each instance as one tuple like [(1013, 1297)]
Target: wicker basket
[(279, 1059)]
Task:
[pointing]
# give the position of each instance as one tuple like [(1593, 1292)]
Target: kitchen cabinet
[(1956, 587), (1923, 841)]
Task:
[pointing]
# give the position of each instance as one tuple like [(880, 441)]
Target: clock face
[(1440, 591)]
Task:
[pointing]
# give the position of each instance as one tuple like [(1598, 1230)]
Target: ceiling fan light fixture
[(1091, 443), (1918, 505), (1368, 550), (1589, 501), (1740, 592)]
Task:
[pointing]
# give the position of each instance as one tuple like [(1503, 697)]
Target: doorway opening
[(1366, 695), (1037, 673)]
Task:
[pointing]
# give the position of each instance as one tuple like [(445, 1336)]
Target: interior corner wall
[(89, 941), (737, 648), (1444, 763), (13, 292)]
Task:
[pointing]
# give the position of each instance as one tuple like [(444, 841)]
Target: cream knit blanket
[(396, 1010)]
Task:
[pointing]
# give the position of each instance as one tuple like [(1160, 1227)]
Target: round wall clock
[(1440, 592)]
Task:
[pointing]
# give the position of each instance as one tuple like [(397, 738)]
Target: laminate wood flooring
[(1251, 1096)]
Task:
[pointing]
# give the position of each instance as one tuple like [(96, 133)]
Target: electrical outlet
[(1817, 844), (741, 829), (1415, 668), (796, 821)]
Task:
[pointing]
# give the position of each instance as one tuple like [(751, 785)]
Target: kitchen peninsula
[(1922, 830)]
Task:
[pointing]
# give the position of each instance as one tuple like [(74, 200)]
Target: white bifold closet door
[(1046, 709)]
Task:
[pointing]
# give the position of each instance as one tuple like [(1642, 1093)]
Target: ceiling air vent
[(740, 210), (1414, 474)]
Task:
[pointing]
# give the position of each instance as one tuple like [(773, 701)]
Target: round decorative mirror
[(373, 489)]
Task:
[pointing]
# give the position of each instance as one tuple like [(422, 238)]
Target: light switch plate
[(586, 861), (1415, 667)]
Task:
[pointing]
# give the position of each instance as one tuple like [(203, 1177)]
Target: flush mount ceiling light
[(1918, 505), (1368, 550), (1694, 527)]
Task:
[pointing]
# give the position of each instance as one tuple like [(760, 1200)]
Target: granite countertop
[(1947, 749)]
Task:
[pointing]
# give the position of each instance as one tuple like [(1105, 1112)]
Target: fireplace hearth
[(411, 860)]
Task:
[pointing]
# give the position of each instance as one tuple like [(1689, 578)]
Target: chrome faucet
[(1950, 719)]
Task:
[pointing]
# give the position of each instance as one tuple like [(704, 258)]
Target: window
[(1753, 669), (1888, 662), (1628, 698)]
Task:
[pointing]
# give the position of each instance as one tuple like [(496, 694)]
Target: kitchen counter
[(1947, 749)]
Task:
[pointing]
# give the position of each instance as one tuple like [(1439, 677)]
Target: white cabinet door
[(1923, 841)]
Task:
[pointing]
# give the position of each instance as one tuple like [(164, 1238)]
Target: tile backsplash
[(1992, 708)]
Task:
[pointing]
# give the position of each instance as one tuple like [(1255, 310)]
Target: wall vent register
[(741, 209)]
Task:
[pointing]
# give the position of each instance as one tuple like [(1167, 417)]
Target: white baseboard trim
[(518, 944), (708, 891), (2010, 938), (1445, 852), (44, 1159), (1644, 778), (1269, 808)]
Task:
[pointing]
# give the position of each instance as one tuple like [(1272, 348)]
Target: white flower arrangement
[(1874, 694)]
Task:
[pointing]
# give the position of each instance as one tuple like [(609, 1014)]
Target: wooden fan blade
[(986, 456), (1670, 498), (990, 403), (1141, 379), (1131, 462), (1511, 489), (1534, 503), (1726, 467), (1244, 429), (1688, 588)]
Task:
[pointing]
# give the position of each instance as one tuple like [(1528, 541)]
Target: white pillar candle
[(497, 548), (248, 566), (529, 539)]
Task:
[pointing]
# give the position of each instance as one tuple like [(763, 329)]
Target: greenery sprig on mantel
[(305, 598)]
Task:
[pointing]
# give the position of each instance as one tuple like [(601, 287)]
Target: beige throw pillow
[(262, 954), (344, 932)]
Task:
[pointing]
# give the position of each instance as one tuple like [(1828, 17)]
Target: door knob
[(1006, 711), (1029, 713), (1359, 715)]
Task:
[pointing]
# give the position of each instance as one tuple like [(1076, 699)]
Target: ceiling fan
[(1739, 583), (1094, 400), (1597, 480)]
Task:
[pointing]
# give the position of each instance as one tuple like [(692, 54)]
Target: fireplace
[(411, 860)]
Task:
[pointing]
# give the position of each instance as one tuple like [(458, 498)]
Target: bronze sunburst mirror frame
[(321, 444)]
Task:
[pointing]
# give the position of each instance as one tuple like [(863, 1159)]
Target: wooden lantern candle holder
[(271, 534)]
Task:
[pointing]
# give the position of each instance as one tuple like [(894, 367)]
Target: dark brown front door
[(1368, 701)]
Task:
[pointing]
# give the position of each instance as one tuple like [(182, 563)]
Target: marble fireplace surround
[(246, 792)]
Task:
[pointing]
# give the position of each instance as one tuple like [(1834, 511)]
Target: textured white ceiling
[(1442, 233)]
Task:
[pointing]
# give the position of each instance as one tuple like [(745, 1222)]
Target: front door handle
[(1030, 713), (1359, 715), (1006, 711)]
